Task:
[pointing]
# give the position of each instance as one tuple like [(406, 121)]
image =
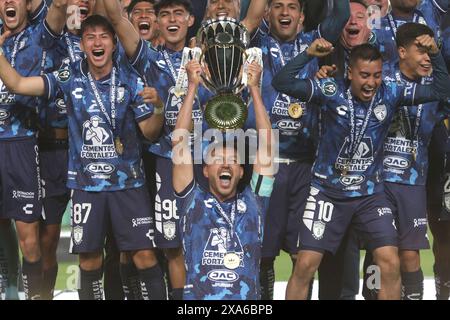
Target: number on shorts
[(78, 209), (325, 211), (170, 208)]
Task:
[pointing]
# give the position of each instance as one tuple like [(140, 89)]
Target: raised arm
[(128, 36), (254, 15), (14, 82), (331, 27), (35, 4), (183, 168), (57, 16), (285, 81), (264, 164), (99, 7)]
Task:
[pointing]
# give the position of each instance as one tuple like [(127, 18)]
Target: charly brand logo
[(61, 104), (3, 114)]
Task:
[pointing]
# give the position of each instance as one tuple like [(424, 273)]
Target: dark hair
[(162, 4), (133, 4), (361, 2), (98, 21), (365, 52), (300, 2), (408, 32)]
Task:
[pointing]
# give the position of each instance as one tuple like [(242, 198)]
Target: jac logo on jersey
[(223, 275), (396, 162), (289, 125), (352, 180), (3, 114), (100, 167)]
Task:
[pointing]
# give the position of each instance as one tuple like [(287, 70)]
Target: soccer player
[(347, 184), (346, 260), (161, 68), (141, 14), (406, 157), (107, 176), (429, 12), (296, 123), (8, 241), (222, 229), (24, 48)]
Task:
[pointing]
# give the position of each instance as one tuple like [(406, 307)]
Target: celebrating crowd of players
[(354, 95)]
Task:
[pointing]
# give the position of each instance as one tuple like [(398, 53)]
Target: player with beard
[(222, 228), (429, 12), (297, 124), (354, 151)]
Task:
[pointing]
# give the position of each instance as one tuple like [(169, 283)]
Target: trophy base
[(226, 111)]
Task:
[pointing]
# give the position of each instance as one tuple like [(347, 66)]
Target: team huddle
[(102, 106)]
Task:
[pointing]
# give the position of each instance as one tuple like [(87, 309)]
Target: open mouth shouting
[(285, 22), (84, 11), (352, 32), (98, 52), (98, 55), (225, 179), (11, 12), (173, 29), (144, 27), (368, 92)]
